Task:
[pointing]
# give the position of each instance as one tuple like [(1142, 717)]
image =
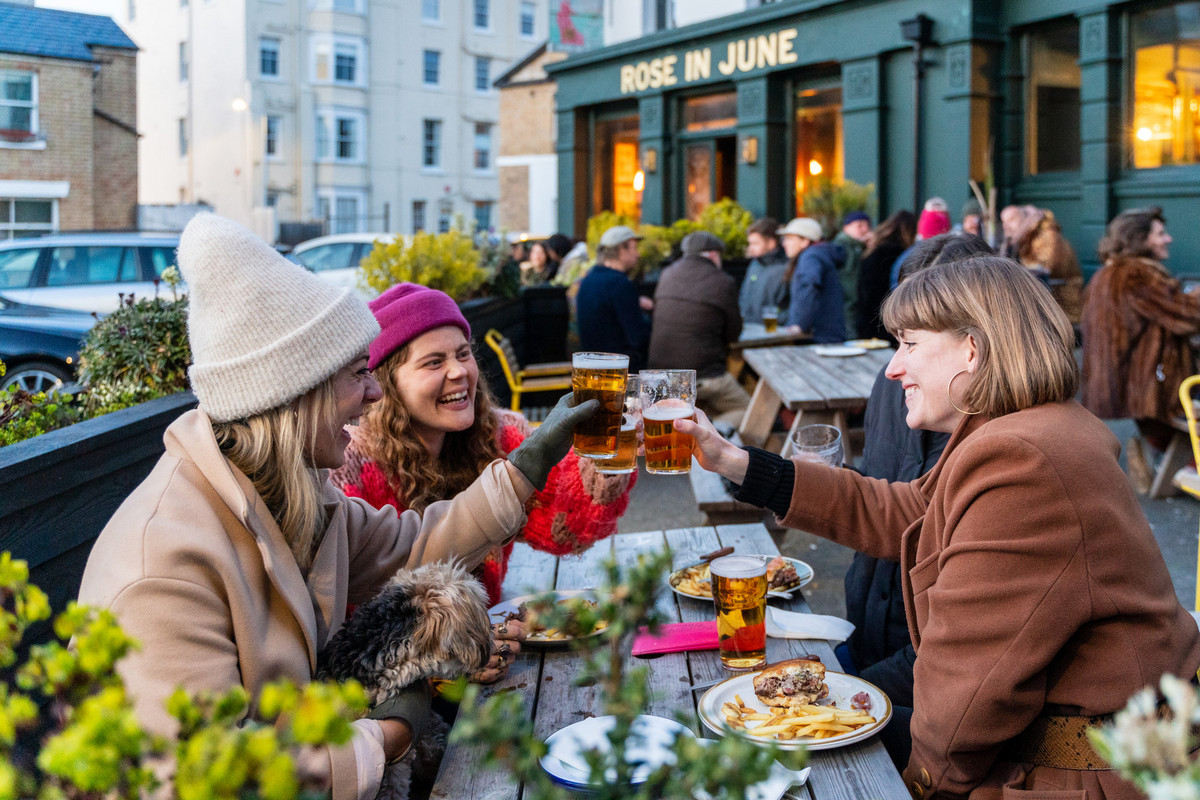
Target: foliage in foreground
[(24, 415), (722, 769), (445, 261), (98, 748), (1151, 743)]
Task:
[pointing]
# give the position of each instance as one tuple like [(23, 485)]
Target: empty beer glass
[(739, 588), (599, 376), (667, 395), (819, 443), (627, 440)]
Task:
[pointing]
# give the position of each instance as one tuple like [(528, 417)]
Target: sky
[(108, 8)]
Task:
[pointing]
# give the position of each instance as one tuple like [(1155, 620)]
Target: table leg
[(760, 415)]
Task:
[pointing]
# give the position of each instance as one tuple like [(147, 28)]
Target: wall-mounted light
[(239, 104), (639, 181), (815, 168), (749, 149), (650, 160)]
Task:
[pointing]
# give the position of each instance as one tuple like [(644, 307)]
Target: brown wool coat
[(1136, 324), (1029, 573), (194, 568)]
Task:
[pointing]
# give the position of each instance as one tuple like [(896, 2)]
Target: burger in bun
[(793, 683)]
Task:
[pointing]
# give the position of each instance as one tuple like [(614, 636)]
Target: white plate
[(566, 764), (842, 687), (511, 606), (868, 344), (837, 350), (803, 570)]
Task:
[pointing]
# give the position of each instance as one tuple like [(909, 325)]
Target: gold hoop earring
[(951, 399)]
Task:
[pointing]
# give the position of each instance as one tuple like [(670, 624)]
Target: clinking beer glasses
[(627, 440), (739, 588), (599, 376), (667, 395)]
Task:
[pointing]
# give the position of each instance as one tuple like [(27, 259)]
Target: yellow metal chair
[(1191, 482), (533, 378)]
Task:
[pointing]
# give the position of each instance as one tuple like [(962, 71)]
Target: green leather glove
[(411, 704), (551, 441)]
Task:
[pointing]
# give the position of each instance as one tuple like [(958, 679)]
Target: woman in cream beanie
[(234, 561)]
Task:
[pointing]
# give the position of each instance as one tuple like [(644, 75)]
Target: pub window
[(710, 112), (818, 132), (1166, 86), (615, 167), (1052, 100)]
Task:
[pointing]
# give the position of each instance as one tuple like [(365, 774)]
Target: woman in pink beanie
[(437, 427), (934, 220)]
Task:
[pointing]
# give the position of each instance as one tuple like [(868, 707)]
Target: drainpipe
[(919, 31)]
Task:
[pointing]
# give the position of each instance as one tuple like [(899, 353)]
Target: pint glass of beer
[(770, 316), (627, 440), (739, 588), (599, 376), (667, 395)]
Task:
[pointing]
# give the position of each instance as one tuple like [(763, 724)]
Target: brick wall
[(527, 119), (97, 157), (115, 174), (514, 198)]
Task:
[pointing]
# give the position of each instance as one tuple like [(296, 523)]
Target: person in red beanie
[(437, 426), (934, 220)]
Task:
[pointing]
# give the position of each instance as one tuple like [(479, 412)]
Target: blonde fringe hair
[(412, 473), (1026, 345), (272, 449)]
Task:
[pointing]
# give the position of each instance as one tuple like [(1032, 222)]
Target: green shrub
[(137, 353), (728, 221), (827, 202), (503, 274), (99, 748), (446, 261), (24, 415)]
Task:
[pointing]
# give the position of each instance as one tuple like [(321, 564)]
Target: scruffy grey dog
[(429, 622)]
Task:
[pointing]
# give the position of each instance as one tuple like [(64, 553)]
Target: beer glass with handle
[(627, 440), (599, 376), (667, 395), (739, 589)]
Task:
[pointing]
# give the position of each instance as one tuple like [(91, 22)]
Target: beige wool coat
[(194, 567), (1032, 584)]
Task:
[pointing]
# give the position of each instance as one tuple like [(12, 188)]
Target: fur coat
[(578, 507), (1136, 324), (1044, 247)]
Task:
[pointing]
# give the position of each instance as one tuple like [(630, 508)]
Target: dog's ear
[(454, 623)]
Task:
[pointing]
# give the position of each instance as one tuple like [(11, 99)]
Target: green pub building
[(1085, 108)]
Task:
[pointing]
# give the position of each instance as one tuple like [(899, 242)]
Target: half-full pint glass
[(770, 317), (599, 376), (739, 587), (667, 395), (625, 461)]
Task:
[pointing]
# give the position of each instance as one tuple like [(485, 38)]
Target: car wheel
[(36, 376)]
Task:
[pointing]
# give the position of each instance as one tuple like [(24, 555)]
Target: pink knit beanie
[(407, 310), (933, 223)]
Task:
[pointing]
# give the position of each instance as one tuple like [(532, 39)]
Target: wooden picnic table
[(544, 677), (754, 334), (819, 389)]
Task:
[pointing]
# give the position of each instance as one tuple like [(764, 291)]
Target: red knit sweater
[(578, 507)]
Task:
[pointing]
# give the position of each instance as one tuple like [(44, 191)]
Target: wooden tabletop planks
[(546, 676)]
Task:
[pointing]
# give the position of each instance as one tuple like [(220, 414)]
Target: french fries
[(787, 724), (537, 633), (696, 580)]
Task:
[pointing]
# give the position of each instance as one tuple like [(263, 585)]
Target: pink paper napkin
[(676, 637)]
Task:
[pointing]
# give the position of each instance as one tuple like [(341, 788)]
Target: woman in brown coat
[(1041, 247), (1137, 320), (1037, 598)]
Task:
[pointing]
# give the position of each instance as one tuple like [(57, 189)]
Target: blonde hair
[(273, 450), (416, 477), (1025, 342)]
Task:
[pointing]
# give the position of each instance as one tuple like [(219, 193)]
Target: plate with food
[(649, 748), (795, 704), (869, 344), (838, 350), (783, 575), (518, 608)]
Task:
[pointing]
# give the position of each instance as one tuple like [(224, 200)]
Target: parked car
[(84, 271), (335, 258), (40, 346)]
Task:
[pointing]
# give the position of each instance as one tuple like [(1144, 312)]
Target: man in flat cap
[(696, 317), (609, 311)]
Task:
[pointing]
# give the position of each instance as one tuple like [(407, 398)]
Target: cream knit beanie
[(263, 330)]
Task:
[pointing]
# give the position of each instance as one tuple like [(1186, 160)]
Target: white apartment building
[(375, 115)]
